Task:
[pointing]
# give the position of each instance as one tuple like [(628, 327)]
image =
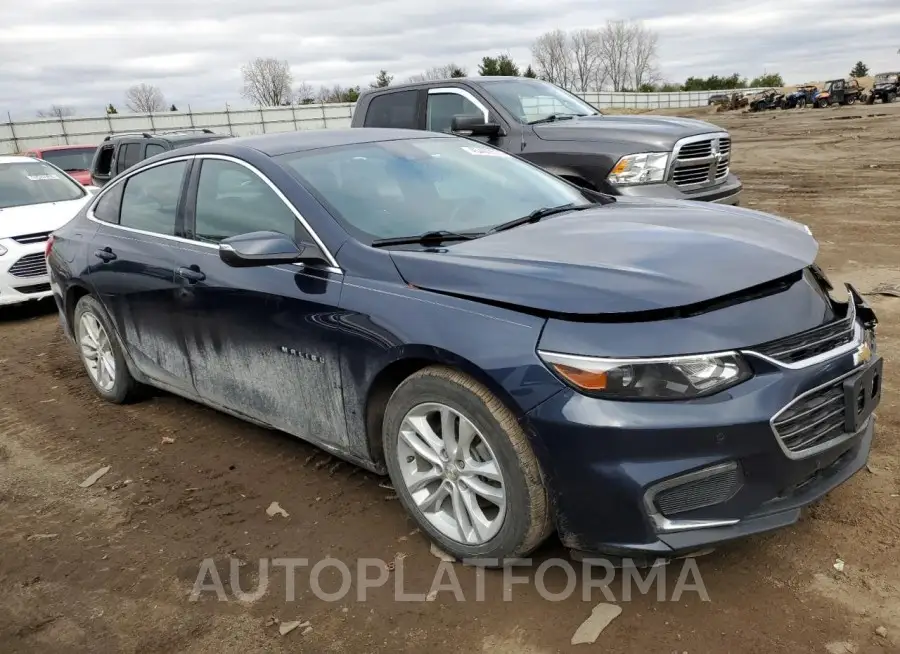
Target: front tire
[(101, 354), (464, 469)]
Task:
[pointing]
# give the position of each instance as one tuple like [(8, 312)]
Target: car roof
[(16, 158), (314, 139), (173, 136), (51, 148)]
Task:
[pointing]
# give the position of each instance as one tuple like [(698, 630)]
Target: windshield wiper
[(438, 236), (538, 214), (554, 117)]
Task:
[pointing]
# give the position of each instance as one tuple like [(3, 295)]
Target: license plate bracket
[(862, 393)]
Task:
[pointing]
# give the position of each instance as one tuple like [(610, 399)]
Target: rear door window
[(150, 199), (129, 155), (393, 110)]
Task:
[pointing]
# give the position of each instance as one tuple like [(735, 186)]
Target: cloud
[(86, 53)]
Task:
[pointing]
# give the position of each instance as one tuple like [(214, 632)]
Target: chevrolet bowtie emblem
[(863, 353)]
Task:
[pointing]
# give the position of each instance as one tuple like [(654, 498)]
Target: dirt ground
[(110, 568)]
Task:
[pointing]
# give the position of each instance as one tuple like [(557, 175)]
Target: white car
[(36, 198)]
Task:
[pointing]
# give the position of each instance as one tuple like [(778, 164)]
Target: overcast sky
[(86, 53)]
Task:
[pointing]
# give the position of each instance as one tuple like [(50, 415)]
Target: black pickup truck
[(646, 156)]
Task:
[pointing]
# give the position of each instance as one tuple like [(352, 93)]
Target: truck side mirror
[(475, 125)]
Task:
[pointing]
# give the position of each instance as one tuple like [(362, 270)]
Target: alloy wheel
[(451, 473), (97, 352)]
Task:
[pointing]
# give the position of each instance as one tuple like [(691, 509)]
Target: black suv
[(119, 152), (648, 156)]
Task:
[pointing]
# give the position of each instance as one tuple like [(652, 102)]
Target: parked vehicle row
[(835, 92), (559, 343)]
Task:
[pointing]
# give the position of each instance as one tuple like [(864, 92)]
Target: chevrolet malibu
[(647, 378), (35, 198)]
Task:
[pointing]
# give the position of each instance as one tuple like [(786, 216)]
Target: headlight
[(645, 168), (3, 250), (662, 378)]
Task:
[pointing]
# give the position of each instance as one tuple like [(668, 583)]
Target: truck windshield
[(534, 100), (886, 78)]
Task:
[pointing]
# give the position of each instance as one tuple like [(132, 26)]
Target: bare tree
[(267, 82), (56, 111), (643, 57), (439, 72), (145, 99), (552, 56), (588, 72), (616, 47), (304, 94)]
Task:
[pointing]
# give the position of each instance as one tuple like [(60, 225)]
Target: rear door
[(396, 109), (132, 260), (262, 341), (129, 153)]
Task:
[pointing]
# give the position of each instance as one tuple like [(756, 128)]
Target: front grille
[(814, 420), (37, 237), (812, 342), (714, 489), (31, 265), (698, 163), (33, 288)]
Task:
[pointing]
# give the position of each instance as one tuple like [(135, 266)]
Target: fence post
[(191, 116), (228, 120), (12, 129), (262, 119), (294, 114), (324, 119), (62, 126), (152, 124), (109, 122)]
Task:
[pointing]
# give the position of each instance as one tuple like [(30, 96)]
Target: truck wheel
[(891, 96), (101, 353), (822, 103), (464, 468), (851, 99)]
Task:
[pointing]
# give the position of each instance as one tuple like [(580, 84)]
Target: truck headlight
[(644, 168), (658, 378)]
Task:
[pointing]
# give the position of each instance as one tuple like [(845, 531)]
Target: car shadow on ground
[(27, 311)]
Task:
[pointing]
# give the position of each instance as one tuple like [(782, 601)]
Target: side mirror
[(475, 125), (263, 249)]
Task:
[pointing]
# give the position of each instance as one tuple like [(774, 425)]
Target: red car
[(74, 159)]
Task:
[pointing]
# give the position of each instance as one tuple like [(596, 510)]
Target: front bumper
[(606, 462), (728, 192), (23, 279)]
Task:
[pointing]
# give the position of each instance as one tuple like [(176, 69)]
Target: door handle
[(192, 274), (105, 254)]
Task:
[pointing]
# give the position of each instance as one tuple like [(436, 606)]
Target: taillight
[(49, 247)]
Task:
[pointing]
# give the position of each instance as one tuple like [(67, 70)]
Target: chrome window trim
[(464, 93), (843, 437), (663, 524), (333, 267)]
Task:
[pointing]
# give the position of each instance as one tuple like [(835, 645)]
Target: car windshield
[(409, 187), (72, 159), (31, 181), (533, 100)]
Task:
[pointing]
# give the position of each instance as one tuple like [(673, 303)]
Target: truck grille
[(812, 342), (31, 265), (37, 237), (699, 162)]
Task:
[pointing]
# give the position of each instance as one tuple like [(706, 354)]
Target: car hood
[(630, 256), (34, 218), (657, 131)]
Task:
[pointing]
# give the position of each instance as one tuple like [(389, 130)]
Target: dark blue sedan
[(646, 378)]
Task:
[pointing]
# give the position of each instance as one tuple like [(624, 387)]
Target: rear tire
[(101, 354), (891, 96), (450, 444)]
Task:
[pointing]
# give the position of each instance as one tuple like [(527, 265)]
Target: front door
[(446, 102), (131, 268), (261, 340), (838, 91)]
